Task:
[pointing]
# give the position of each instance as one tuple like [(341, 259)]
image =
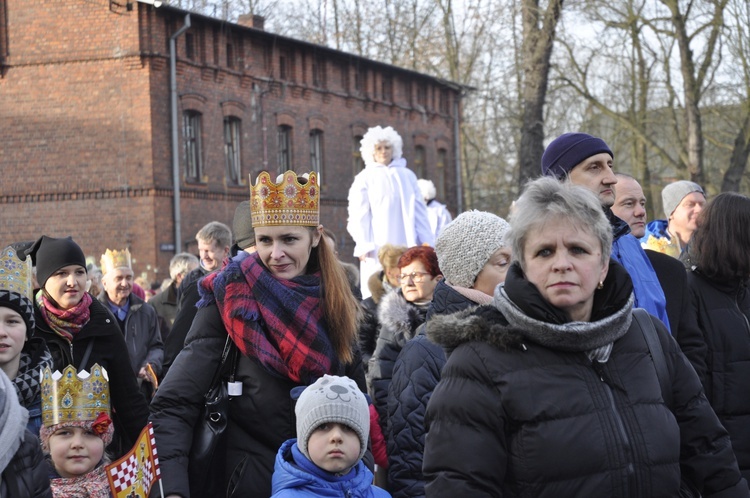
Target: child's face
[(334, 447), (75, 451)]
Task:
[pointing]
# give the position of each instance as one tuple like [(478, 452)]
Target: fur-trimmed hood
[(398, 317), (477, 323)]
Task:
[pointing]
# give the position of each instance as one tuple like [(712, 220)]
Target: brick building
[(85, 113)]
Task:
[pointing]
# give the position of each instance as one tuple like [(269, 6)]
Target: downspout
[(175, 135), (457, 152)]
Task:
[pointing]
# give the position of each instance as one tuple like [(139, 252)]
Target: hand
[(143, 374), (366, 255)]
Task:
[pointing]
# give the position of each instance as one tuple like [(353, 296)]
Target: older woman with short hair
[(551, 389)]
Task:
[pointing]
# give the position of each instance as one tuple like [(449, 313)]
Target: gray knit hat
[(672, 194), (332, 399), (467, 243)]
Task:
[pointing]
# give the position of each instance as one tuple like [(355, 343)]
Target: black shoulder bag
[(206, 465), (687, 489)]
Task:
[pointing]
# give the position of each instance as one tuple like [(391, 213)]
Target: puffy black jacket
[(260, 420), (109, 350), (415, 375), (724, 318), (26, 476), (511, 417), (399, 320)]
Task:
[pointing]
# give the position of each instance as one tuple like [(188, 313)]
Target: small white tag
[(234, 388)]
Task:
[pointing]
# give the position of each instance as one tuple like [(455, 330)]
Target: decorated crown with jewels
[(15, 275), (71, 396), (294, 200), (115, 259)]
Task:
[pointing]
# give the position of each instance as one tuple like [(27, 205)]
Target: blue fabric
[(657, 228), (35, 418), (295, 476), (649, 295), (120, 312)]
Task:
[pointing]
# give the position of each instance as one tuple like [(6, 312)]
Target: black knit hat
[(568, 150), (50, 254)]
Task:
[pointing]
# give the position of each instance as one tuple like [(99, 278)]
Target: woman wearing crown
[(290, 312), (80, 331)]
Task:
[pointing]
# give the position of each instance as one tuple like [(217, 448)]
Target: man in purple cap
[(586, 160)]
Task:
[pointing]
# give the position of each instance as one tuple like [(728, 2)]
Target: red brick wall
[(85, 121)]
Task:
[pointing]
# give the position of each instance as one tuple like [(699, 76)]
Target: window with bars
[(442, 159), (284, 139), (387, 88), (316, 151), (319, 72), (191, 132), (232, 152)]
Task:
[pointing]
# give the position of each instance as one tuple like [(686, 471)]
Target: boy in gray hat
[(333, 423), (682, 201)]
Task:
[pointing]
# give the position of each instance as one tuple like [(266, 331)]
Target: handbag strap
[(656, 351), (217, 373)]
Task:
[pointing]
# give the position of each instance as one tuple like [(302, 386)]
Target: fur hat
[(332, 399), (50, 254), (568, 150), (427, 188), (672, 194), (467, 243), (242, 226)]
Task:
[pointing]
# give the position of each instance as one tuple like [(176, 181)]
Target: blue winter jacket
[(295, 476), (627, 251)]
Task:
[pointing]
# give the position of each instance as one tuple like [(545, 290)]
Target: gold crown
[(115, 259), (70, 396), (288, 202), (15, 275)]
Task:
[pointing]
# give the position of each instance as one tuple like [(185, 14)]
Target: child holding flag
[(76, 427)]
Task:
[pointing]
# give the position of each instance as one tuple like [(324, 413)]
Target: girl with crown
[(76, 429), (21, 355), (290, 312)]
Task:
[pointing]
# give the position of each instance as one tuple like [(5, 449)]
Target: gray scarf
[(13, 419), (595, 338)]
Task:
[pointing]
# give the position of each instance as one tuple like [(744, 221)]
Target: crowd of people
[(576, 349)]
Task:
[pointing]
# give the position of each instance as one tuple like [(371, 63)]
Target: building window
[(418, 165), (442, 159), (319, 72), (360, 81), (345, 77), (387, 89), (445, 101), (232, 129), (357, 163), (215, 40), (191, 132), (316, 150), (189, 46), (422, 94), (286, 65), (230, 56), (284, 138)]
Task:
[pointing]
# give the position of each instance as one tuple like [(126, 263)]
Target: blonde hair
[(389, 254)]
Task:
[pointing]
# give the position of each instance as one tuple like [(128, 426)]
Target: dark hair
[(719, 246), (425, 254)]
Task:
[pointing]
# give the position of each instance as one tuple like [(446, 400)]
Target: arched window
[(284, 139), (316, 150), (191, 133), (232, 156), (357, 163)]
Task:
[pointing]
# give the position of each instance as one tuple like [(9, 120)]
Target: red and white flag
[(133, 475)]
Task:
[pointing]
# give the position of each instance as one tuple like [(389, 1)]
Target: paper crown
[(15, 275), (115, 259), (71, 396), (288, 202)]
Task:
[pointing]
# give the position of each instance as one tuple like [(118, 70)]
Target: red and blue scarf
[(279, 322)]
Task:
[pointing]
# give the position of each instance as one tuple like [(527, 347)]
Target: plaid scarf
[(91, 485), (66, 323), (26, 381), (279, 322)]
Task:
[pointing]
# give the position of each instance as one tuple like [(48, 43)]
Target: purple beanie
[(568, 150)]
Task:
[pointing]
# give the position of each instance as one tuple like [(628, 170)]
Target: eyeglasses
[(416, 276)]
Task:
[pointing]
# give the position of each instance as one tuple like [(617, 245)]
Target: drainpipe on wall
[(175, 136), (457, 152)]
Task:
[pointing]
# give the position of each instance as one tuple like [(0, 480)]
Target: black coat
[(415, 375), (260, 420), (108, 349), (511, 417), (399, 320), (26, 476), (682, 312), (186, 309), (724, 317)]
